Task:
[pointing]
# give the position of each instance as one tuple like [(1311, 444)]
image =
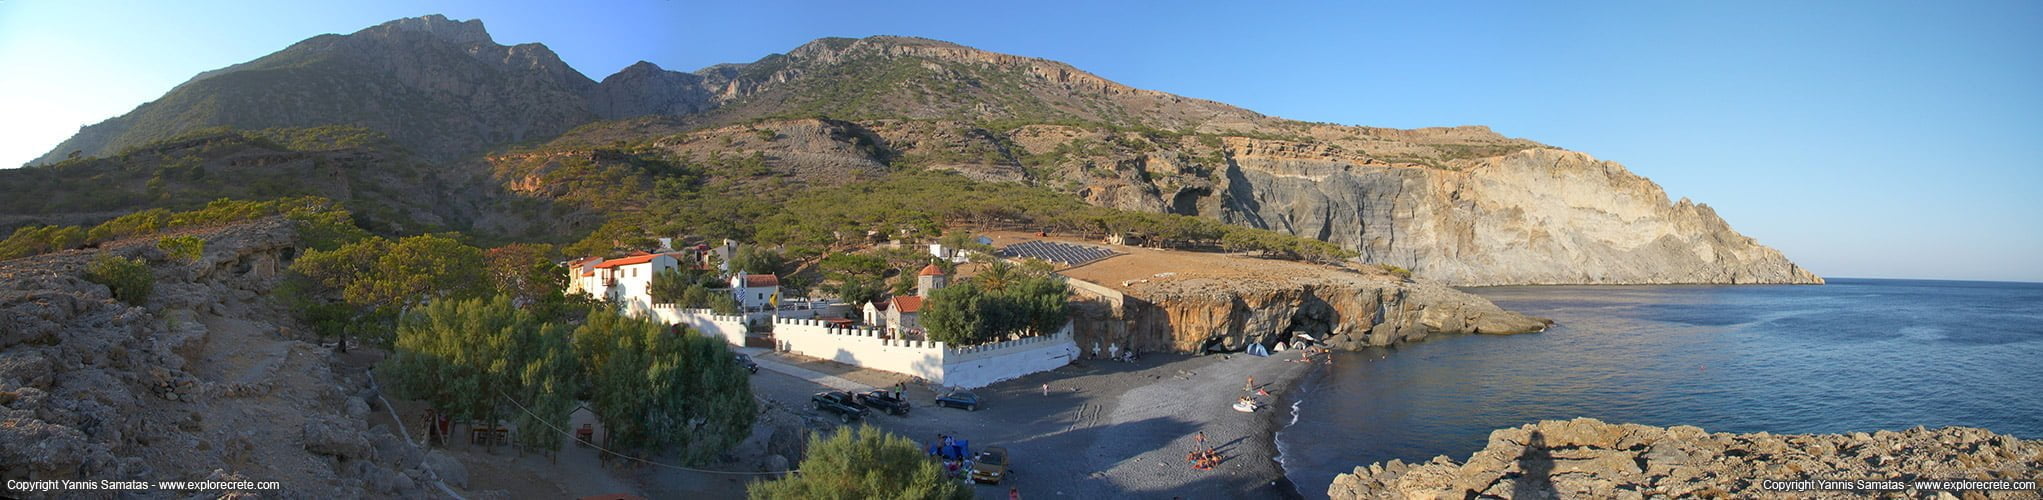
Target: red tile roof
[(761, 280), (908, 304), (626, 261), (930, 270)]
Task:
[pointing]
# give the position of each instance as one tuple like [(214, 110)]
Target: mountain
[(1463, 205), (442, 88)]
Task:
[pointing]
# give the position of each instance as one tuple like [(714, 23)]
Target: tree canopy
[(692, 288), (863, 462), (658, 387), (466, 356), (1003, 300)]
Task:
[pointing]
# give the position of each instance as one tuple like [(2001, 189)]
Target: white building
[(755, 292), (625, 280), (903, 313)]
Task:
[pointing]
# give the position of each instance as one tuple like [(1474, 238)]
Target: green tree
[(468, 356), (863, 462), (379, 278), (970, 313), (130, 280), (855, 278), (656, 390), (755, 260), (956, 315)]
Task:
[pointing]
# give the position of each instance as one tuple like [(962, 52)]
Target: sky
[(1863, 139)]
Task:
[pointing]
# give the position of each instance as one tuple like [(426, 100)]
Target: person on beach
[(1046, 388), (1201, 438), (1251, 384)]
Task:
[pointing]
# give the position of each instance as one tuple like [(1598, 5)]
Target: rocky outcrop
[(1586, 458), (1227, 303), (1538, 216), (205, 379)]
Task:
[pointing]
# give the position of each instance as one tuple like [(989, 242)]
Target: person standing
[(1046, 388), (1013, 493), (1251, 384)]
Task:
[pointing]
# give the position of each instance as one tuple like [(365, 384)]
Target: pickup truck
[(883, 400), (841, 403)]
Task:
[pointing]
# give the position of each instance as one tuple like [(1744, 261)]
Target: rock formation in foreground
[(206, 380), (1186, 302), (1586, 458)]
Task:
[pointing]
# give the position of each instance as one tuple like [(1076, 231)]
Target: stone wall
[(982, 365), (859, 347), (963, 367)]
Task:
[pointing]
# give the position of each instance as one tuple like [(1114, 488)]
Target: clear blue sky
[(1864, 139)]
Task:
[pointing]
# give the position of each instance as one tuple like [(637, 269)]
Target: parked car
[(884, 400), (990, 465), (745, 361), (959, 399), (841, 403)]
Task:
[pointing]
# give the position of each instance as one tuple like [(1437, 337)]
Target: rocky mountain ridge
[(1461, 205)]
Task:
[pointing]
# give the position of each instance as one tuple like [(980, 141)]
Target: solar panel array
[(1064, 253)]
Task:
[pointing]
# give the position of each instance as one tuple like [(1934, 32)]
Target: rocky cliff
[(1188, 302), (1536, 216), (1586, 458), (207, 380)]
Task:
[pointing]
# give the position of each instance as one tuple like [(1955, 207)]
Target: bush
[(130, 279), (33, 240), (189, 248), (863, 462), (1397, 271)]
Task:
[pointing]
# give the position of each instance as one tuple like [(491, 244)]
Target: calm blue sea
[(1853, 355)]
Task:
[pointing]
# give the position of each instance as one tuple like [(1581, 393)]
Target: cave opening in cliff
[(1313, 320)]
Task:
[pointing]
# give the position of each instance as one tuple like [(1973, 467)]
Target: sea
[(1852, 355)]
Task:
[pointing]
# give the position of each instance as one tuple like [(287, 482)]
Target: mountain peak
[(439, 26), (642, 67)]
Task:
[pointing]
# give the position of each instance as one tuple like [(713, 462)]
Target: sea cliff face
[(1586, 458), (1345, 310), (1537, 216)]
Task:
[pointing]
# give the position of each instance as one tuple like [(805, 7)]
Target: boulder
[(448, 469), (326, 438)]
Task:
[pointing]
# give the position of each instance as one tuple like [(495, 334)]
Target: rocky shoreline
[(1587, 458)]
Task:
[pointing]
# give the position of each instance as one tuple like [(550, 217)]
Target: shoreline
[(1279, 421)]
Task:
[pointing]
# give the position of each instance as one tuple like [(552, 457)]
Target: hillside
[(1463, 205), (208, 379), (440, 87), (390, 190)]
